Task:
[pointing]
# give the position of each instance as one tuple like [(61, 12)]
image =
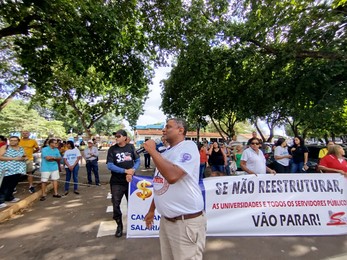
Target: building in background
[(141, 133)]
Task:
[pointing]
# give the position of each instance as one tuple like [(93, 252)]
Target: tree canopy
[(18, 116), (94, 56), (282, 61)]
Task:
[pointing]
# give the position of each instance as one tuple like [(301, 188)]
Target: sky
[(152, 113)]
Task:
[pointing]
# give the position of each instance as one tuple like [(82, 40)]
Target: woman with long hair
[(334, 161), (217, 158), (299, 154), (282, 156)]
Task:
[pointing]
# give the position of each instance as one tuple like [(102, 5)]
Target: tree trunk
[(217, 127), (11, 96), (304, 134), (259, 131), (271, 134), (333, 137), (198, 135)]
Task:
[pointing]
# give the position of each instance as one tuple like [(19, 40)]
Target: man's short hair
[(182, 123)]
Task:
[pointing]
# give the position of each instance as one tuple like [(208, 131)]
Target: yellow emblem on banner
[(145, 193)]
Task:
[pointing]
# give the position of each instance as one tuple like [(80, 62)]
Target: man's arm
[(96, 151), (115, 168), (58, 156), (45, 155), (150, 215), (36, 147), (137, 163), (171, 172)]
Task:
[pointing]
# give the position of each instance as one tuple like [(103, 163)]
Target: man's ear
[(181, 130)]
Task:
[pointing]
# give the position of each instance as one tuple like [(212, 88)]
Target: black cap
[(121, 132)]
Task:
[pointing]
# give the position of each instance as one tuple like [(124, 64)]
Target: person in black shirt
[(217, 158), (122, 161), (299, 154)]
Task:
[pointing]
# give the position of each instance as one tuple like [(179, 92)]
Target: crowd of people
[(180, 164), (17, 159), (252, 158)]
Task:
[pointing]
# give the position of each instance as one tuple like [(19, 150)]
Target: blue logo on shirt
[(186, 157)]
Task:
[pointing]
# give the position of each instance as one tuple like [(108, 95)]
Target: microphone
[(142, 149)]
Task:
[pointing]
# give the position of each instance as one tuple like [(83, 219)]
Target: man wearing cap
[(177, 195), (91, 154), (122, 161)]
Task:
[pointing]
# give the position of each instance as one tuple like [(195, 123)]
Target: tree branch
[(300, 53), (22, 27), (218, 129), (12, 95)]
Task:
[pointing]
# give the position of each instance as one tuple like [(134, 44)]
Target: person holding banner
[(253, 160), (122, 161), (334, 161), (177, 195)]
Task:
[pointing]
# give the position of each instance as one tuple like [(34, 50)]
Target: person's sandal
[(56, 196), (43, 198)]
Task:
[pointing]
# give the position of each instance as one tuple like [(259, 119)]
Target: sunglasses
[(255, 143)]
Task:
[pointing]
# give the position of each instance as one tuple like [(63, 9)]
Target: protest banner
[(263, 205)]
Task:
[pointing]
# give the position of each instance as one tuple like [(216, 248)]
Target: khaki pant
[(30, 165), (183, 239)]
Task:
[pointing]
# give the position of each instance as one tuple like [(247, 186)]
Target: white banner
[(263, 205)]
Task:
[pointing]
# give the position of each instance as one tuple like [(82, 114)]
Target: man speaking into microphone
[(177, 195)]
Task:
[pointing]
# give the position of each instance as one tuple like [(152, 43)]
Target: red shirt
[(203, 156), (331, 161)]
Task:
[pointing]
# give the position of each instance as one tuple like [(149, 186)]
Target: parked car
[(313, 160)]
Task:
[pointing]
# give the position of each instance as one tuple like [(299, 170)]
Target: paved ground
[(67, 229)]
